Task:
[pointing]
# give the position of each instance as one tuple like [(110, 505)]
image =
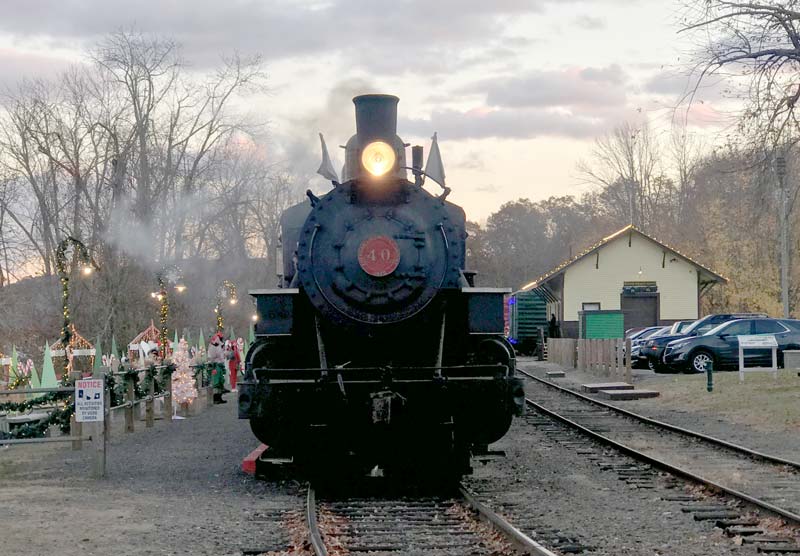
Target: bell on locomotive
[(377, 347)]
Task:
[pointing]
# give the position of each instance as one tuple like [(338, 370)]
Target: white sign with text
[(89, 400), (758, 341)]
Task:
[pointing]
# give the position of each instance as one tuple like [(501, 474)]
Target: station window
[(590, 306)]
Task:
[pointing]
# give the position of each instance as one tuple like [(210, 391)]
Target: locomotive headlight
[(378, 158)]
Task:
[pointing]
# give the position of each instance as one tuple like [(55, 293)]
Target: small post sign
[(759, 341), (89, 400)]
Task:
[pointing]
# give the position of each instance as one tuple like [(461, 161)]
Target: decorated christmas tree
[(183, 390)]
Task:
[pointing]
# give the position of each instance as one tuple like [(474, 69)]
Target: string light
[(82, 254), (170, 274), (226, 290)]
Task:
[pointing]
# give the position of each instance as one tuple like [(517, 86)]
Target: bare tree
[(757, 43), (625, 164)]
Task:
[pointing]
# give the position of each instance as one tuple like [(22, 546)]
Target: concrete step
[(556, 374), (628, 394), (597, 386)]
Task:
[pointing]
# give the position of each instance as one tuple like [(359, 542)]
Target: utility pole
[(780, 166)]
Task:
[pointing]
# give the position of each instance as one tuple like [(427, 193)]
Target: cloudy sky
[(516, 89)]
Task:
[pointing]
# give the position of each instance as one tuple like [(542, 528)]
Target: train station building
[(650, 282)]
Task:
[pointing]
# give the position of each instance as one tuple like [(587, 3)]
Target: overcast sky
[(516, 89)]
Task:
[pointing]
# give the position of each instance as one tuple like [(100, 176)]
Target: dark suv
[(653, 349), (721, 345)]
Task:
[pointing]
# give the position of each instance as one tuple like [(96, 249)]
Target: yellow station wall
[(619, 263)]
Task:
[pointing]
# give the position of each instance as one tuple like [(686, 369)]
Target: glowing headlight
[(378, 158)]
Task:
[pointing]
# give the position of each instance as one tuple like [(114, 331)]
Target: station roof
[(706, 274)]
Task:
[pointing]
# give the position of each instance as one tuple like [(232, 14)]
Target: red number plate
[(378, 256)]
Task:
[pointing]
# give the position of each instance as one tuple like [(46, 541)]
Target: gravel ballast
[(570, 493)]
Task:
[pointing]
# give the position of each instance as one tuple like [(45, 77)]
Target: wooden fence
[(99, 433), (606, 357)]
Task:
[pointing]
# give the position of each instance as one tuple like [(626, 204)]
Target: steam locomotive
[(377, 345)]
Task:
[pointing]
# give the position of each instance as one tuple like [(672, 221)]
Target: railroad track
[(443, 525), (768, 482)]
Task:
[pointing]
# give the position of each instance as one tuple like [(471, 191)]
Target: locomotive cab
[(376, 343)]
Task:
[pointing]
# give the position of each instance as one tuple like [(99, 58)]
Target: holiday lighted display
[(226, 291), (82, 254), (76, 346), (183, 390), (168, 275)]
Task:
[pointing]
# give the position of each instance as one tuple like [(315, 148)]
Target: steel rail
[(313, 526), (675, 470), (517, 538), (664, 425)]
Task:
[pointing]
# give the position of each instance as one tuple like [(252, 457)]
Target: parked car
[(721, 345), (679, 326), (653, 349), (637, 340)]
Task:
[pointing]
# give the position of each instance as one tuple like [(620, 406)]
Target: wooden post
[(604, 357), (628, 364), (99, 438), (198, 401), (560, 359), (573, 353), (593, 361), (130, 398), (586, 360), (168, 398), (75, 431), (540, 356), (621, 355), (588, 349), (148, 405), (610, 357)]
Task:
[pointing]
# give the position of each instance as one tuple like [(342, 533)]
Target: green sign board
[(602, 325)]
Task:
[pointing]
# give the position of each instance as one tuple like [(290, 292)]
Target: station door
[(640, 309)]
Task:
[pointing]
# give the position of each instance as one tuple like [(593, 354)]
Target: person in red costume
[(234, 361)]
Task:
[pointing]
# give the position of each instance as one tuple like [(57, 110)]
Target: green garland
[(19, 382), (29, 404), (203, 370), (59, 417)]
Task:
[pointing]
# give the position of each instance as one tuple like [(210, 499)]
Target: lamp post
[(87, 267), (169, 275), (780, 167), (226, 291)]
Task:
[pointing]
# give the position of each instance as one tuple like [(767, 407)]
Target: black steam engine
[(377, 344)]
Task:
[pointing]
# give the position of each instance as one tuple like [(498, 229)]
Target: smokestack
[(376, 117)]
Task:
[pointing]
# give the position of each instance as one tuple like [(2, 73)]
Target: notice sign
[(758, 341), (89, 400)]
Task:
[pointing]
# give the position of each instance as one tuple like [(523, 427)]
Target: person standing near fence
[(234, 361), (216, 360)]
